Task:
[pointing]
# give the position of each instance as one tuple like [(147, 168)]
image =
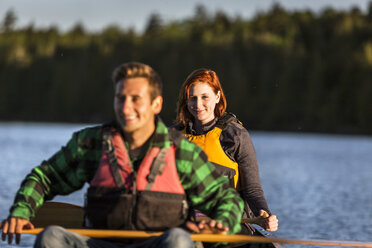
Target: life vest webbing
[(157, 167), (113, 162), (226, 119), (110, 150)]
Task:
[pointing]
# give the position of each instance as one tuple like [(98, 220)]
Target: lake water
[(319, 186)]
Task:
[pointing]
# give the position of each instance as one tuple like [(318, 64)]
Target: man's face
[(133, 107)]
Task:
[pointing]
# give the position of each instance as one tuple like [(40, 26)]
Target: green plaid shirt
[(76, 164)]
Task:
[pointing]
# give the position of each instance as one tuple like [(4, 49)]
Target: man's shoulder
[(180, 141), (175, 136), (91, 131), (187, 154), (89, 138)]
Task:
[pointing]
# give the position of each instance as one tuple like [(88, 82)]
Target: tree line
[(281, 70)]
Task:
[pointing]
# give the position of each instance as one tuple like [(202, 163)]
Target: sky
[(98, 14)]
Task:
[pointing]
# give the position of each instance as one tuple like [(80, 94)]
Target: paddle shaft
[(209, 237), (48, 215)]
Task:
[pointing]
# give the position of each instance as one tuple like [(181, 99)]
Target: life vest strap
[(157, 167), (226, 119), (110, 150)]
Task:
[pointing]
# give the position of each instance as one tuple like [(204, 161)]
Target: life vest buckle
[(108, 145)]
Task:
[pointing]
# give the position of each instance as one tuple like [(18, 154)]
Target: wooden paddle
[(71, 217), (209, 237)]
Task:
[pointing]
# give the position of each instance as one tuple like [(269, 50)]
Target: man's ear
[(157, 104)]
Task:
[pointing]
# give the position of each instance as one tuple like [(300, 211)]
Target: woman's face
[(202, 102)]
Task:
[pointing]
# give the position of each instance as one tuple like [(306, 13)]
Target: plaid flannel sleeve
[(61, 174), (208, 191)]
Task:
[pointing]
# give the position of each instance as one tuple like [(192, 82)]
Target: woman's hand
[(269, 223)]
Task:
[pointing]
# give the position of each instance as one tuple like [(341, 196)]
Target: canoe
[(71, 216)]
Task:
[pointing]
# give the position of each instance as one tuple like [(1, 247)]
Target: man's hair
[(199, 76), (136, 69)]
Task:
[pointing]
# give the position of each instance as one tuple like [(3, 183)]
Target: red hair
[(199, 76)]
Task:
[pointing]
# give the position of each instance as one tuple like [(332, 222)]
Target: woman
[(201, 116)]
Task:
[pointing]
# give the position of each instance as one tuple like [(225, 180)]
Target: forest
[(281, 70)]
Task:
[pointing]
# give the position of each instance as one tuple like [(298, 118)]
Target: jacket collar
[(190, 128)]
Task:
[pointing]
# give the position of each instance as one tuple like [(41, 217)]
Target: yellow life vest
[(210, 143)]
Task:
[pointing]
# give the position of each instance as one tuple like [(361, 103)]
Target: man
[(141, 176)]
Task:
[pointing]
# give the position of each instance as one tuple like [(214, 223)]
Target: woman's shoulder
[(236, 130), (229, 122)]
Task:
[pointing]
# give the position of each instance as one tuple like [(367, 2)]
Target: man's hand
[(207, 227), (269, 223), (14, 225)]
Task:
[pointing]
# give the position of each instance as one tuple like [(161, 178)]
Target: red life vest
[(121, 198)]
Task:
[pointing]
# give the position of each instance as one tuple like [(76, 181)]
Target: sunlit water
[(319, 186)]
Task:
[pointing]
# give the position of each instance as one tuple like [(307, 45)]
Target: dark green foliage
[(281, 70)]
